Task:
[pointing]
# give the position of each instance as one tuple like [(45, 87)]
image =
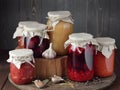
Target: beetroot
[(77, 67), (40, 49), (33, 42)]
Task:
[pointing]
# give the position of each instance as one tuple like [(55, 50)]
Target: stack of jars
[(37, 37), (89, 57)]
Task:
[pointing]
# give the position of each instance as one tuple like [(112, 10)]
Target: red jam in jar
[(32, 35), (21, 42), (104, 58), (80, 57), (22, 69)]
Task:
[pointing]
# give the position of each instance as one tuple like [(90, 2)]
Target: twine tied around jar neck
[(18, 61), (80, 43), (105, 45), (106, 50), (55, 20)]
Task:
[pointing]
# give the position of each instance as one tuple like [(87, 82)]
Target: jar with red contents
[(22, 69), (32, 35), (80, 56), (104, 57)]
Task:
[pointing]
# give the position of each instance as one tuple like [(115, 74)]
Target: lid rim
[(21, 52)]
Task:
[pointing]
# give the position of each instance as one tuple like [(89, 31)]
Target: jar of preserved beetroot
[(80, 56), (104, 57), (22, 69), (32, 35), (61, 25)]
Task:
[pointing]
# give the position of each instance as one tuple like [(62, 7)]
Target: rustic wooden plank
[(115, 21), (48, 5), (30, 10), (98, 17), (4, 70), (9, 18), (3, 79), (103, 17), (9, 86), (92, 17), (79, 12)]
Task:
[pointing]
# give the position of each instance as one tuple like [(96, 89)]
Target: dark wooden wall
[(98, 17)]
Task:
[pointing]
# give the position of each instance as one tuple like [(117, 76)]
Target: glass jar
[(22, 69), (61, 25), (104, 58), (80, 56), (21, 43), (32, 35)]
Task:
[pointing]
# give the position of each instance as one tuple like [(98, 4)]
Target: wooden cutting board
[(95, 84)]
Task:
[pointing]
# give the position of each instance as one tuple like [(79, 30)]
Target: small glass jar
[(22, 69), (80, 56), (32, 35), (104, 57), (61, 25)]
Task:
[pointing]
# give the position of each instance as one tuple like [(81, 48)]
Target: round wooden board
[(95, 84)]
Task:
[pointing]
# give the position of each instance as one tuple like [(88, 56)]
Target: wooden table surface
[(6, 85)]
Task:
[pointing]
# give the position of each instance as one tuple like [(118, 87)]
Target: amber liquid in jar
[(103, 66), (24, 75), (59, 35), (78, 61)]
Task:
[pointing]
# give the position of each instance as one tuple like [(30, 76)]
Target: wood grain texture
[(4, 68), (98, 17)]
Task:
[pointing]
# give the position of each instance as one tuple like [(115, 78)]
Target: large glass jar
[(32, 35), (61, 25), (22, 69), (80, 47), (104, 58)]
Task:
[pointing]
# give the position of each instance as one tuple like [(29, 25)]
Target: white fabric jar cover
[(81, 40), (31, 29), (20, 56), (106, 45), (56, 16)]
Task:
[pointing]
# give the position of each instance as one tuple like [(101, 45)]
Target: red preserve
[(22, 69), (104, 58), (80, 56), (32, 35)]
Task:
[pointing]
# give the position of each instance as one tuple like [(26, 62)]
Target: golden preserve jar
[(61, 25), (104, 58)]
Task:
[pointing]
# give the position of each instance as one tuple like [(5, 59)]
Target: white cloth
[(18, 61), (20, 56), (105, 45), (56, 16), (31, 29)]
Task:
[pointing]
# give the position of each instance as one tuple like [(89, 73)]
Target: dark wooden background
[(98, 17)]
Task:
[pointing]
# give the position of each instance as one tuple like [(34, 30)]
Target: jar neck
[(19, 60)]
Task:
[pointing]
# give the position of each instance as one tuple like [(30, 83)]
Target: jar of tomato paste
[(22, 69), (32, 35), (104, 57), (61, 25), (80, 47)]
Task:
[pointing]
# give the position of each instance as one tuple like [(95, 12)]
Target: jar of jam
[(61, 25), (32, 35), (104, 57), (80, 47), (22, 69)]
